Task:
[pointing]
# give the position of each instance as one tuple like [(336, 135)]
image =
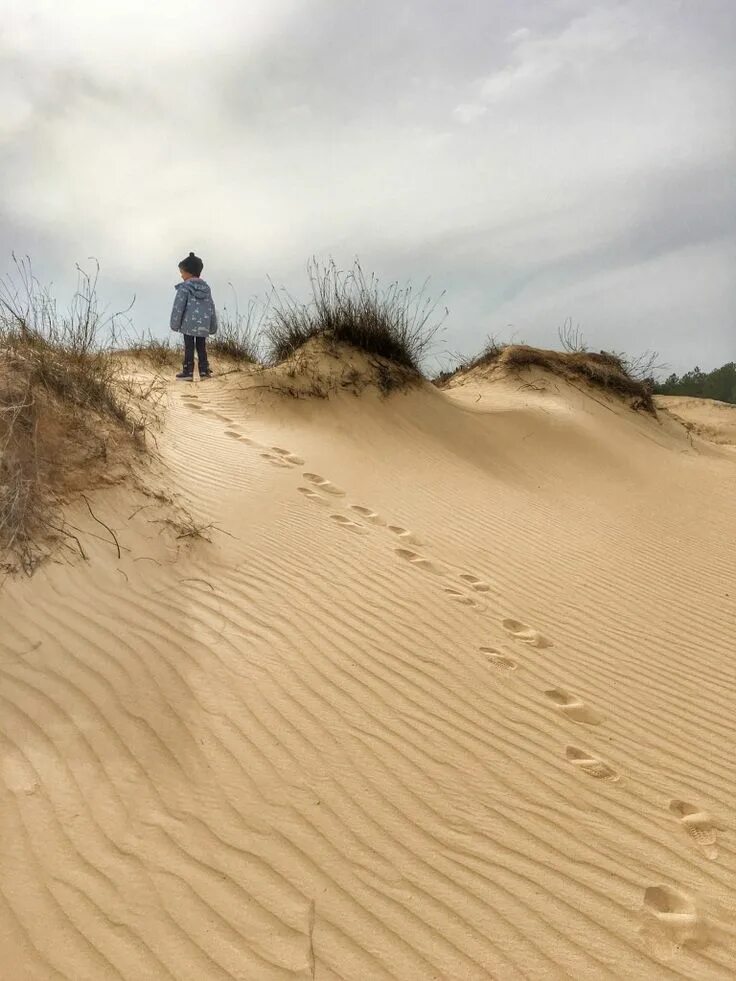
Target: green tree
[(717, 384)]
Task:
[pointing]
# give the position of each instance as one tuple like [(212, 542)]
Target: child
[(194, 316)]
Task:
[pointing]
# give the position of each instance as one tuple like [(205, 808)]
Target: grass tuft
[(347, 307), (158, 353), (238, 334)]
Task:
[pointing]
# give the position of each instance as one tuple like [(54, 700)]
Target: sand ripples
[(412, 752)]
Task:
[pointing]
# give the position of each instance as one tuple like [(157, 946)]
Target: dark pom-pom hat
[(192, 264)]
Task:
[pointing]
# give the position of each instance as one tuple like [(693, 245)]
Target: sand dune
[(449, 695)]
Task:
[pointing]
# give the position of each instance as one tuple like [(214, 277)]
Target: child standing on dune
[(194, 316)]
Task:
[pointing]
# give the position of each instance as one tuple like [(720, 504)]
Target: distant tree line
[(717, 384)]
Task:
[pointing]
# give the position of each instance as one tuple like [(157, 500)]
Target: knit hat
[(192, 264)]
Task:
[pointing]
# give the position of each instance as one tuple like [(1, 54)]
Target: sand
[(708, 418), (448, 695)]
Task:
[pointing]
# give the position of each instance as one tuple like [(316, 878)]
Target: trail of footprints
[(671, 918), (360, 517), (322, 492), (277, 456)]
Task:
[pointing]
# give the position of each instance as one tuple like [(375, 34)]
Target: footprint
[(460, 597), (665, 901), (324, 485), (421, 563), (221, 417), (699, 825), (574, 708), (672, 921), (314, 497), (405, 534), (373, 516), (526, 634), (276, 461), (195, 405), (243, 439), (288, 456), (345, 522), (284, 456), (477, 584), (591, 765), (499, 660)]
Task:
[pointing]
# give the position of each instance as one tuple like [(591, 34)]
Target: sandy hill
[(447, 694)]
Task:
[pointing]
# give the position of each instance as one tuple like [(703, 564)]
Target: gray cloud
[(539, 160)]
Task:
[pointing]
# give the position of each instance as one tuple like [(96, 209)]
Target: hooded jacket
[(194, 310)]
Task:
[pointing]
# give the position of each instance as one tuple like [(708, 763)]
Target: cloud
[(468, 112), (584, 44), (524, 155)]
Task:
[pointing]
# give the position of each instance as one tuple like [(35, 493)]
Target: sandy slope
[(708, 418), (450, 695)]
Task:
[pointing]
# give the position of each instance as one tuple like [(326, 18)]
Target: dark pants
[(201, 344)]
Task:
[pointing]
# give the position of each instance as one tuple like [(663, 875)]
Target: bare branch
[(106, 527)]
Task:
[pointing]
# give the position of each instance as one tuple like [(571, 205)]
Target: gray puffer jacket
[(194, 309)]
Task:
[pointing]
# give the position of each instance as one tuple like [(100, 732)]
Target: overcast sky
[(537, 160)]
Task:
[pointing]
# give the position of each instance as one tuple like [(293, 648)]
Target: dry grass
[(390, 322), (604, 371), (236, 341), (158, 353), (187, 529), (238, 334), (488, 355), (65, 408)]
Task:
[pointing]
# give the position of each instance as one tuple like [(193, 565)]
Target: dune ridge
[(449, 694)]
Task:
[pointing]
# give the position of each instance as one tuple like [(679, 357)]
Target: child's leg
[(204, 365), (188, 354)]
